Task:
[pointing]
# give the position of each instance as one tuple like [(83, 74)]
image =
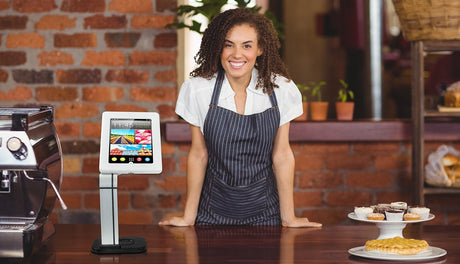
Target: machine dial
[(16, 147)]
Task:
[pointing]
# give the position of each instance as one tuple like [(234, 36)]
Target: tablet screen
[(130, 141)]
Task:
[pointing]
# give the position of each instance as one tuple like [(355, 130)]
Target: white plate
[(354, 217), (431, 253)]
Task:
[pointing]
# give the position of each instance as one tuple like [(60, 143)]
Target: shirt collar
[(227, 90)]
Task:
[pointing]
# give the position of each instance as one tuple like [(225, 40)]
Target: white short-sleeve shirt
[(195, 96)]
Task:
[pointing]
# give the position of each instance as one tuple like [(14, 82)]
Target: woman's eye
[(247, 46)]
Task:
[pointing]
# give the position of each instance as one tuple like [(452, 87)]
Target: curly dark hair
[(268, 64)]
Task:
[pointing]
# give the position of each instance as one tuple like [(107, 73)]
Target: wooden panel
[(334, 131)]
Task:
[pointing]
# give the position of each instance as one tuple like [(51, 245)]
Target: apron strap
[(217, 88)]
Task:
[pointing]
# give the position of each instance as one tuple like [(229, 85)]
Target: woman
[(240, 168)]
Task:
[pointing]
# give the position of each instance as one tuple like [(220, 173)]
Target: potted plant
[(303, 88), (318, 108), (344, 106)]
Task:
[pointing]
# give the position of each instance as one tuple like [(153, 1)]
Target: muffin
[(411, 217), (375, 216)]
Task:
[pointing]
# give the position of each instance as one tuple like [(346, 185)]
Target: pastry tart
[(397, 245)]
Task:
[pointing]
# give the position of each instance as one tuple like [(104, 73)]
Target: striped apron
[(239, 186)]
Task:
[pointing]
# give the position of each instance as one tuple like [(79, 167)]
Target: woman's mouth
[(237, 65)]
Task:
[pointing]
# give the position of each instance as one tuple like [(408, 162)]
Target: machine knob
[(16, 147)]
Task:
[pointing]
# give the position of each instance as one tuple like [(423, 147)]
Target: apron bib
[(239, 186)]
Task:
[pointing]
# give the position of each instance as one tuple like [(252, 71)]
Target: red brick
[(33, 76), (348, 161), (306, 162), (13, 22), (57, 94), (135, 217), (124, 200), (369, 179), (151, 21), (325, 147), (3, 76), (348, 198), (157, 57), (54, 58), (392, 196), (79, 76), (76, 110), (70, 165), (166, 76), (127, 76), (168, 201), (165, 5), (157, 94), (107, 58), (376, 146), (25, 40), (92, 130), (169, 165), (90, 165), (83, 6), (80, 183), (326, 216), (320, 180), (77, 40), (67, 129), (72, 200), (32, 6), (121, 40), (166, 111), (103, 22), (79, 147), (91, 201), (55, 22), (165, 40), (133, 182), (167, 148), (102, 94), (12, 58), (170, 183), (391, 161), (125, 108), (183, 164), (18, 93), (131, 6), (308, 199), (141, 201), (4, 4)]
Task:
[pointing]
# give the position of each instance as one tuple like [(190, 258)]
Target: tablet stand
[(110, 243)]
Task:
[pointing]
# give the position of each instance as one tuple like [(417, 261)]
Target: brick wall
[(87, 56)]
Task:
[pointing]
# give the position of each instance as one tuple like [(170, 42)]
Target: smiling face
[(239, 53)]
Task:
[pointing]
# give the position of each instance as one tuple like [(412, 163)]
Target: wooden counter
[(330, 244)]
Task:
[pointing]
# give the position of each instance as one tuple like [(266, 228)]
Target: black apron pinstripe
[(239, 186)]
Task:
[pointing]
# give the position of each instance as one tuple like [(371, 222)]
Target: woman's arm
[(196, 169), (283, 165)]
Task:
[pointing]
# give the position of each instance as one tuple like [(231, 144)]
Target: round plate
[(354, 217), (431, 253)]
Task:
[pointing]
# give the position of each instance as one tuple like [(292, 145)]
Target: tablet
[(130, 143)]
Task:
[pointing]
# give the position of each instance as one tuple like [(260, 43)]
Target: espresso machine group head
[(30, 176)]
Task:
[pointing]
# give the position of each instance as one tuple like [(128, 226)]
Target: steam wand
[(63, 205)]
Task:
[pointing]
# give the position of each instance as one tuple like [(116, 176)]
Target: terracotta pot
[(304, 116), (344, 110), (318, 110)]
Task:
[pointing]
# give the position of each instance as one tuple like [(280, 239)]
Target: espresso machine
[(30, 175)]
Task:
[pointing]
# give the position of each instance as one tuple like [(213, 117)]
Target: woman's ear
[(259, 52)]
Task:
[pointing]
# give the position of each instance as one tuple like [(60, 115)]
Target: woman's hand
[(176, 219), (300, 222)]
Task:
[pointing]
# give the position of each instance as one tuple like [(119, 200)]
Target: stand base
[(126, 245)]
